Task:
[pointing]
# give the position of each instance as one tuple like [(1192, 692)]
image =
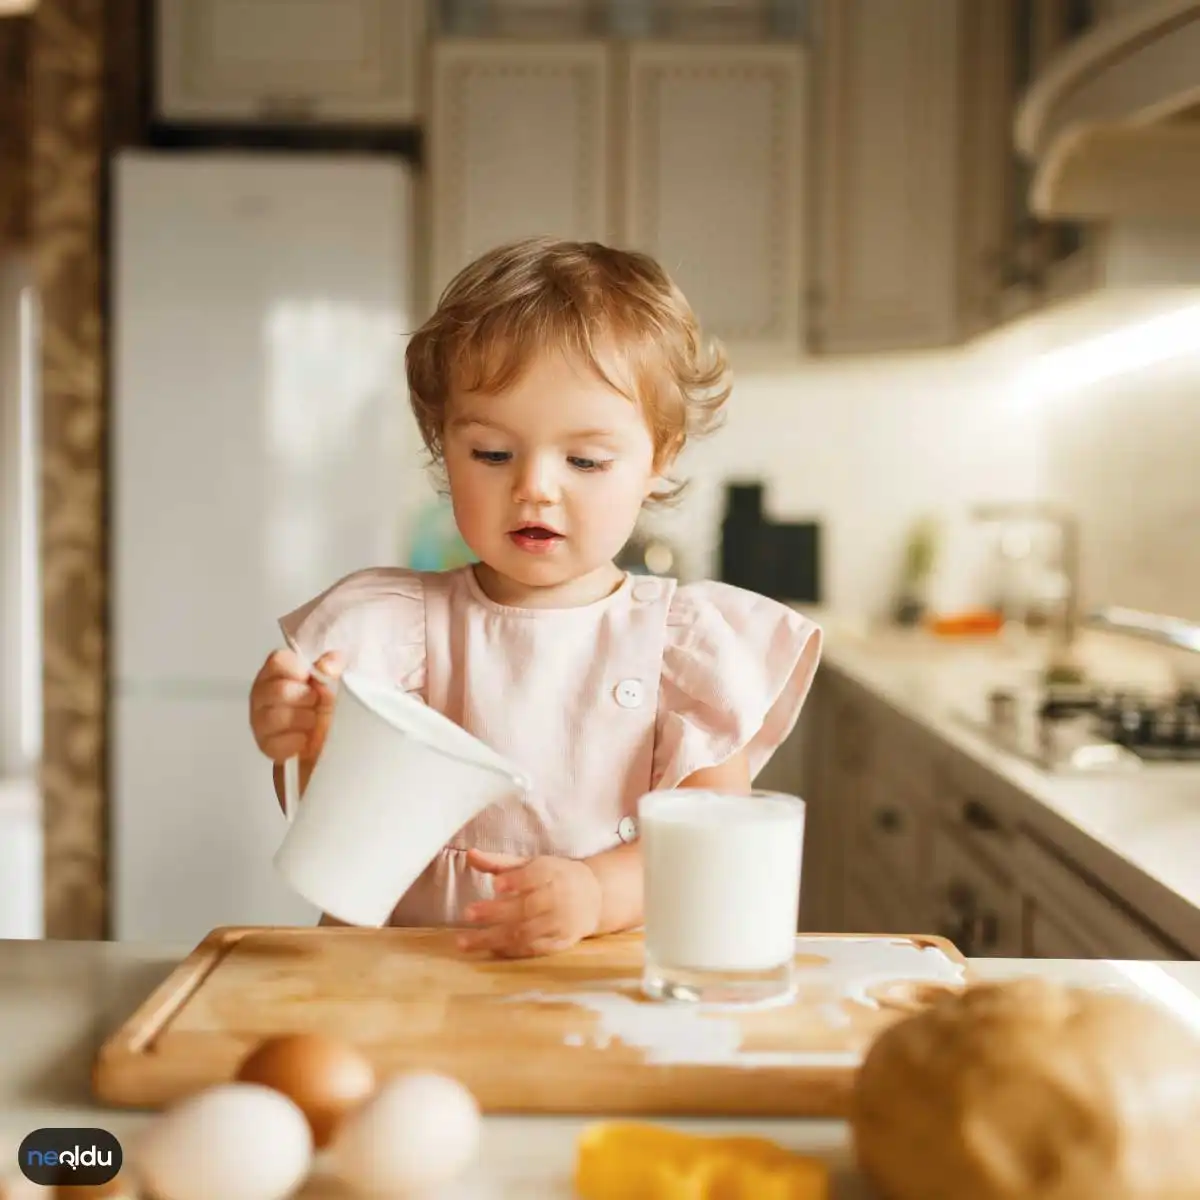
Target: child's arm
[(619, 871)]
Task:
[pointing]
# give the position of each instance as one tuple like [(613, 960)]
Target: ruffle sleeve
[(375, 618), (737, 668)]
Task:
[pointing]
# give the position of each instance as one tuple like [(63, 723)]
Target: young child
[(556, 384)]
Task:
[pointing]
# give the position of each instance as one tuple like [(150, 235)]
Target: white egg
[(238, 1141), (419, 1130)]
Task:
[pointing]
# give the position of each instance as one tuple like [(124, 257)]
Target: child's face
[(548, 477)]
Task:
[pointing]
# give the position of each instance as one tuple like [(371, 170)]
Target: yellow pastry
[(636, 1161)]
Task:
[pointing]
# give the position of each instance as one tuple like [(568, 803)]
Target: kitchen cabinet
[(799, 768), (907, 835), (889, 110), (922, 234), (713, 183), (1041, 262), (685, 20), (692, 153), (1050, 935), (520, 144), (985, 184), (842, 762), (890, 837), (288, 61), (976, 904), (869, 909), (1068, 916), (867, 812)]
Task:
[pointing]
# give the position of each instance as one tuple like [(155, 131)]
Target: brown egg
[(323, 1076)]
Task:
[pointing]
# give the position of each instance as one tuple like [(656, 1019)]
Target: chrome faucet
[(1153, 627), (1068, 527)]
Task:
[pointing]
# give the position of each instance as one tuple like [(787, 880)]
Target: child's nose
[(536, 482)]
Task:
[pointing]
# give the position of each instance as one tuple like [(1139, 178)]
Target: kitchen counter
[(59, 1000), (1137, 833)]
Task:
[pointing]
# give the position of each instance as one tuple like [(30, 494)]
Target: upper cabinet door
[(519, 145), (279, 61), (713, 183), (887, 233)]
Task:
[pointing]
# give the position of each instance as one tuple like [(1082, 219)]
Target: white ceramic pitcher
[(394, 782)]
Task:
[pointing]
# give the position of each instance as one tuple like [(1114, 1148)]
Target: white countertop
[(59, 1000), (1138, 832)]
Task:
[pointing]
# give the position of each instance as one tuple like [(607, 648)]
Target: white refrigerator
[(261, 448)]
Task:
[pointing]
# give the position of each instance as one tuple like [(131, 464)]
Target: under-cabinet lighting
[(1141, 344)]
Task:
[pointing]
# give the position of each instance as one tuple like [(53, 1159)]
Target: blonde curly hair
[(616, 310)]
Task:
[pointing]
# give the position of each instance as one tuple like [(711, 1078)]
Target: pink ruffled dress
[(598, 704)]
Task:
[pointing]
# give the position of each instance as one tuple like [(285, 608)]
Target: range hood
[(1112, 125)]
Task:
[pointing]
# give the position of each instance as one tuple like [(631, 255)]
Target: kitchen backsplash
[(868, 446), (1124, 454), (865, 447)]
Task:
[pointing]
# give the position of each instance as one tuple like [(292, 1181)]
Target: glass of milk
[(722, 894)]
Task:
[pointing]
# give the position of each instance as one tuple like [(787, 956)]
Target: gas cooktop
[(1157, 729), (1094, 731)]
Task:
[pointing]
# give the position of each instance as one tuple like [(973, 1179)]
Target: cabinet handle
[(889, 820), (984, 930), (977, 816), (958, 930)]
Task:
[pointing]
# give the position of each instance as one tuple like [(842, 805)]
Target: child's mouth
[(536, 539)]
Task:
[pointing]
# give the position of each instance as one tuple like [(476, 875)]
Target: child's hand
[(289, 710), (542, 905)]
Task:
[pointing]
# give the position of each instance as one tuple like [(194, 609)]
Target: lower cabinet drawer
[(1080, 911), (1051, 935), (974, 906), (888, 825), (862, 910), (873, 902)]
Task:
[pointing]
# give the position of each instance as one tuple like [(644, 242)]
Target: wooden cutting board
[(569, 1033)]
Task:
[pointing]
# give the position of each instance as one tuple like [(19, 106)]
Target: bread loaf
[(1029, 1090)]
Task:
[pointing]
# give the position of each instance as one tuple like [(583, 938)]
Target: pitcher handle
[(291, 787), (291, 766)]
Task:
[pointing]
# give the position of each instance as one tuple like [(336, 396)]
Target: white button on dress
[(629, 693)]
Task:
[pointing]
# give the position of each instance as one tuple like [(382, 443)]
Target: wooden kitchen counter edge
[(60, 1000)]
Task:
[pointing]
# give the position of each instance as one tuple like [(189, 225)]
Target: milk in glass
[(722, 893)]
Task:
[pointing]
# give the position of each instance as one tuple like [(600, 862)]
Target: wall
[(866, 446), (1125, 453), (1096, 406)]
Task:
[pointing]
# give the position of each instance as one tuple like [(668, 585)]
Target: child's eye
[(494, 457), (589, 464)]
